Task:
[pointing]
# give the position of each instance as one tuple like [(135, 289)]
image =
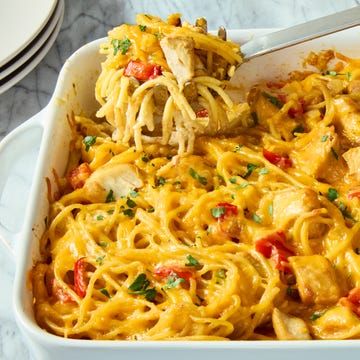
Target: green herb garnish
[(324, 138), (220, 273), (332, 73), (129, 212), (100, 217), (344, 210), (172, 282), (140, 286), (336, 156), (218, 212), (298, 129), (271, 209), (88, 141), (145, 158), (332, 194), (121, 45), (142, 28), (150, 210), (160, 181), (130, 203), (315, 315), (192, 261), (263, 171), (105, 292), (201, 179), (100, 259), (257, 218), (110, 197), (103, 244), (133, 193), (274, 100), (250, 168), (233, 180)]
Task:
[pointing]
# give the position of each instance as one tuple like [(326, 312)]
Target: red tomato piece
[(142, 71), (273, 246), (229, 210), (354, 193), (60, 293), (298, 110), (276, 159), (177, 271), (202, 113), (352, 301), (80, 283), (282, 98), (275, 84), (79, 175)]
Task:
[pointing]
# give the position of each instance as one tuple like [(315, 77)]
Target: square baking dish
[(47, 135)]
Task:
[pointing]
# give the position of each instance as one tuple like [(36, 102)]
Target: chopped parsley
[(271, 209), (345, 212), (220, 274), (233, 180), (129, 212), (121, 45), (273, 100), (88, 141), (110, 197), (250, 168), (130, 203), (150, 209), (100, 217), (103, 244), (263, 171), (111, 211), (257, 218), (298, 129), (332, 73), (238, 147), (243, 185), (142, 28), (192, 261), (218, 212), (324, 138), (172, 282), (201, 179), (315, 315), (105, 292), (145, 158), (332, 194), (133, 193), (100, 259), (336, 156), (140, 286), (160, 181)]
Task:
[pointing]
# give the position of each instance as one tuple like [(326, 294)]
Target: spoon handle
[(300, 33)]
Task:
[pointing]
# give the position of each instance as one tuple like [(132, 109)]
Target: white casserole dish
[(75, 93)]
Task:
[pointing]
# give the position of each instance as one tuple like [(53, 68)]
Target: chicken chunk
[(290, 204), (117, 178), (289, 327), (318, 155), (352, 158), (316, 279), (180, 56), (337, 323), (347, 118)]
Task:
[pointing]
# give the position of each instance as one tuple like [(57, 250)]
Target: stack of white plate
[(27, 31)]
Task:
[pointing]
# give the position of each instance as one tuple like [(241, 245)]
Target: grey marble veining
[(86, 20)]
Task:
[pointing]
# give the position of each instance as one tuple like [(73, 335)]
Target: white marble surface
[(86, 20)]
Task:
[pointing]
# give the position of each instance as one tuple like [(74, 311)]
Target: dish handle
[(14, 151)]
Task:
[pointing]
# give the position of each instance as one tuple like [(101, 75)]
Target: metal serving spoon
[(300, 33)]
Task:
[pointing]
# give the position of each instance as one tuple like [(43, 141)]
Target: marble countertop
[(86, 20)]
